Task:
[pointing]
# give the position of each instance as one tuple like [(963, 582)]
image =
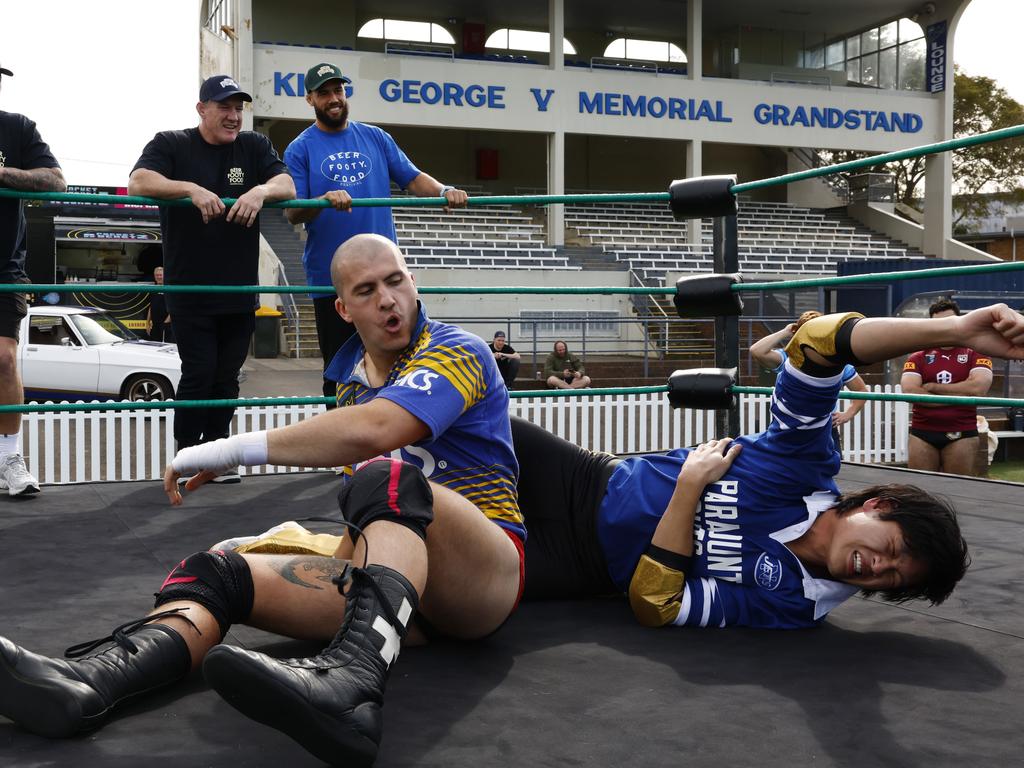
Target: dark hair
[(943, 305), (554, 347), (930, 532)]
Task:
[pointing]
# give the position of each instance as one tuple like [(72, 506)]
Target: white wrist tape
[(247, 450)]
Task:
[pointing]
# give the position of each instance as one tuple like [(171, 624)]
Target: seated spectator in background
[(564, 370), (158, 319), (944, 438), (769, 354), (506, 358)]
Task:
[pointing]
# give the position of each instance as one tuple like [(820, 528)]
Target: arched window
[(412, 31), (525, 40), (645, 50)]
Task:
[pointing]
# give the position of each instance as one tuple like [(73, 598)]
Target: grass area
[(1007, 470)]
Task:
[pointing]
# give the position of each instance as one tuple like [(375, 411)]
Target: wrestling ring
[(563, 683)]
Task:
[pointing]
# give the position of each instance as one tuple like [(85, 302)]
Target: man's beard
[(329, 121)]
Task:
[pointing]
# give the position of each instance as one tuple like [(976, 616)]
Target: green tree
[(979, 105), (998, 167)]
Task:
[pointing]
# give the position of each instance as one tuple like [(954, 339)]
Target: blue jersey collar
[(342, 367)]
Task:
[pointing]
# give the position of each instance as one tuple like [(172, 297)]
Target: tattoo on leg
[(306, 571)]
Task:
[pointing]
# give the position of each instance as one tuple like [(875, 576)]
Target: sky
[(111, 73)]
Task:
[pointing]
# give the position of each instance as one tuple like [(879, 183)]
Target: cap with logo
[(499, 334), (6, 71), (220, 87), (321, 73)]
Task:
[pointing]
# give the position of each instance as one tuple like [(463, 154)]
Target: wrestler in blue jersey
[(447, 378), (748, 532), (742, 572)]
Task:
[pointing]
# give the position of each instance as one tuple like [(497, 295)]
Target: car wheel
[(147, 386)]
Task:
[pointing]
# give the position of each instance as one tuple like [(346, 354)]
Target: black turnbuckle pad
[(703, 388), (708, 296), (702, 196)]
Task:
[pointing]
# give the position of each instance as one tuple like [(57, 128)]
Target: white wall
[(517, 92), (462, 306)]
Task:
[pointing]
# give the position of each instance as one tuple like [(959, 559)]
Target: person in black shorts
[(206, 244), (944, 438), (26, 163)]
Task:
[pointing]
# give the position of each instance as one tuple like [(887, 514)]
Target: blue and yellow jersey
[(447, 378)]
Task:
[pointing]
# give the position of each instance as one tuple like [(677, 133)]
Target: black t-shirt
[(218, 253), (506, 350), (20, 147)]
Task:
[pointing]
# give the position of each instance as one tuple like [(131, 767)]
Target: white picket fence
[(114, 446)]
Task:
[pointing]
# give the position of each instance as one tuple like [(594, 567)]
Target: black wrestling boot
[(58, 698), (329, 703)]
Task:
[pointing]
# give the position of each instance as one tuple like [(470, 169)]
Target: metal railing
[(291, 310)]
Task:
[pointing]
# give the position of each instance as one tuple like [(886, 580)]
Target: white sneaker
[(15, 477), (228, 477)]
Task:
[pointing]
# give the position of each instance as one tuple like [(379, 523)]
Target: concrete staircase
[(287, 242), (839, 215), (591, 258)]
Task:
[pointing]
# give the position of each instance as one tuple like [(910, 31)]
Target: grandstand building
[(596, 95)]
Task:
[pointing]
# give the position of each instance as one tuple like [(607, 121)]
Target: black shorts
[(941, 439), (561, 487), (13, 307)]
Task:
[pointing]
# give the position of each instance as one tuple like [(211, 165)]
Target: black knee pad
[(387, 489), (219, 581)]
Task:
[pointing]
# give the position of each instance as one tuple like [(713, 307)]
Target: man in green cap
[(337, 159)]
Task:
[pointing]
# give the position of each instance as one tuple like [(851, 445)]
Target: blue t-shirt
[(362, 160), (447, 378), (742, 572)]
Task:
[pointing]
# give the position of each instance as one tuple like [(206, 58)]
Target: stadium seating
[(774, 239)]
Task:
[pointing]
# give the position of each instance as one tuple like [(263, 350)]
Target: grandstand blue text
[(832, 117)]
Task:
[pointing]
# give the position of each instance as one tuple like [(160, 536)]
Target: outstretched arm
[(338, 437), (823, 345), (994, 330)]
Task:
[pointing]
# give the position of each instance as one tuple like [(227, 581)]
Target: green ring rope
[(267, 402), (624, 197), (814, 282)]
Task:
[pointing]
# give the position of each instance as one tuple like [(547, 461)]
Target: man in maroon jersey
[(944, 438)]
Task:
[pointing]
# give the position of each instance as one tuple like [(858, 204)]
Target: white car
[(80, 353)]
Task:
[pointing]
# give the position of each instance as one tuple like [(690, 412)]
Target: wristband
[(220, 455), (445, 189)]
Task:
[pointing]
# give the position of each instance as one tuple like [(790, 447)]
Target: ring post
[(726, 254)]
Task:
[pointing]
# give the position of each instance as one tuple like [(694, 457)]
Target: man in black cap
[(508, 359), (337, 159), (27, 164), (207, 244)]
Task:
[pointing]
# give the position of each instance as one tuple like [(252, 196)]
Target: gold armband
[(655, 592), (820, 334)]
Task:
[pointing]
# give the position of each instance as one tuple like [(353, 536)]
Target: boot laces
[(348, 581), (120, 635)]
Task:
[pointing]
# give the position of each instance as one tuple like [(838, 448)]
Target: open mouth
[(858, 564), (393, 323)]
